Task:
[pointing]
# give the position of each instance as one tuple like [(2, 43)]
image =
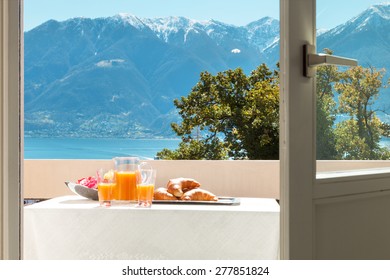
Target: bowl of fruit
[(85, 187)]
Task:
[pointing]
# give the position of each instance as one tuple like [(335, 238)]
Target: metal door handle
[(312, 60)]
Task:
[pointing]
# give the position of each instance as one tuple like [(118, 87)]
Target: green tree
[(229, 115), (359, 136), (196, 149), (326, 109)]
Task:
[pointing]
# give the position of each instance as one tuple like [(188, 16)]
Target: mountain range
[(118, 76)]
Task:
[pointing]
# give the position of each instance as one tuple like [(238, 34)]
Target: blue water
[(385, 142), (74, 148)]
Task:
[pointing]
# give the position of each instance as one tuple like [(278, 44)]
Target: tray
[(221, 201)]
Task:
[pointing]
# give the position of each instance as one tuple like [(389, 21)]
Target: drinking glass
[(145, 187), (106, 184)]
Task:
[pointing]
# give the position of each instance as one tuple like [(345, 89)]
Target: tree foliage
[(358, 137), (232, 115), (326, 109), (229, 115)]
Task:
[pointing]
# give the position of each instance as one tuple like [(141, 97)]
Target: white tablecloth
[(75, 228)]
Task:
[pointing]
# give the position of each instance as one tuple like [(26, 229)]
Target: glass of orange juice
[(106, 184), (145, 187)]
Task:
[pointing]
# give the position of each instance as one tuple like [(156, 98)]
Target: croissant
[(199, 195), (179, 186), (162, 194)]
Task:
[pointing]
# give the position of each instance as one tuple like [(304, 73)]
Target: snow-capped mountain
[(263, 33), (374, 17), (259, 34), (365, 37), (125, 71), (87, 77)]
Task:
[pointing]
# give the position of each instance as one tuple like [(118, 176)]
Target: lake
[(102, 148), (76, 148)]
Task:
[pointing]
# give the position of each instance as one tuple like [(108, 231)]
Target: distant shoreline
[(95, 148), (94, 137)]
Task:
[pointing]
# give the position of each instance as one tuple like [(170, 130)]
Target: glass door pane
[(353, 103)]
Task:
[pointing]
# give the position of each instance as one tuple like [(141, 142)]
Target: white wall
[(351, 227)]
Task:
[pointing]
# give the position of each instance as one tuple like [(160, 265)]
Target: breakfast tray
[(221, 201)]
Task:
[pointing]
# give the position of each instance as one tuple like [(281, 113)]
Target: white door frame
[(333, 217), (297, 149), (11, 116)]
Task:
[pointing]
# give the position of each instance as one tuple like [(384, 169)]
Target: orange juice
[(145, 195), (105, 191), (145, 192), (126, 185)]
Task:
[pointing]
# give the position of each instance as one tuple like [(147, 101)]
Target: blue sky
[(330, 13)]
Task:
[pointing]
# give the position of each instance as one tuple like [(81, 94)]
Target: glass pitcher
[(127, 173)]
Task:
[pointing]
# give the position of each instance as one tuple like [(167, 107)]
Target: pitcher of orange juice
[(127, 174)]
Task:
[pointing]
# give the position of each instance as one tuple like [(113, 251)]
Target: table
[(74, 228)]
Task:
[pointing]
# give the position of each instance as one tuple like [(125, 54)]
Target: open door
[(337, 215)]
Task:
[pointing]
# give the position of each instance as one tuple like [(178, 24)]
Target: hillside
[(118, 76)]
